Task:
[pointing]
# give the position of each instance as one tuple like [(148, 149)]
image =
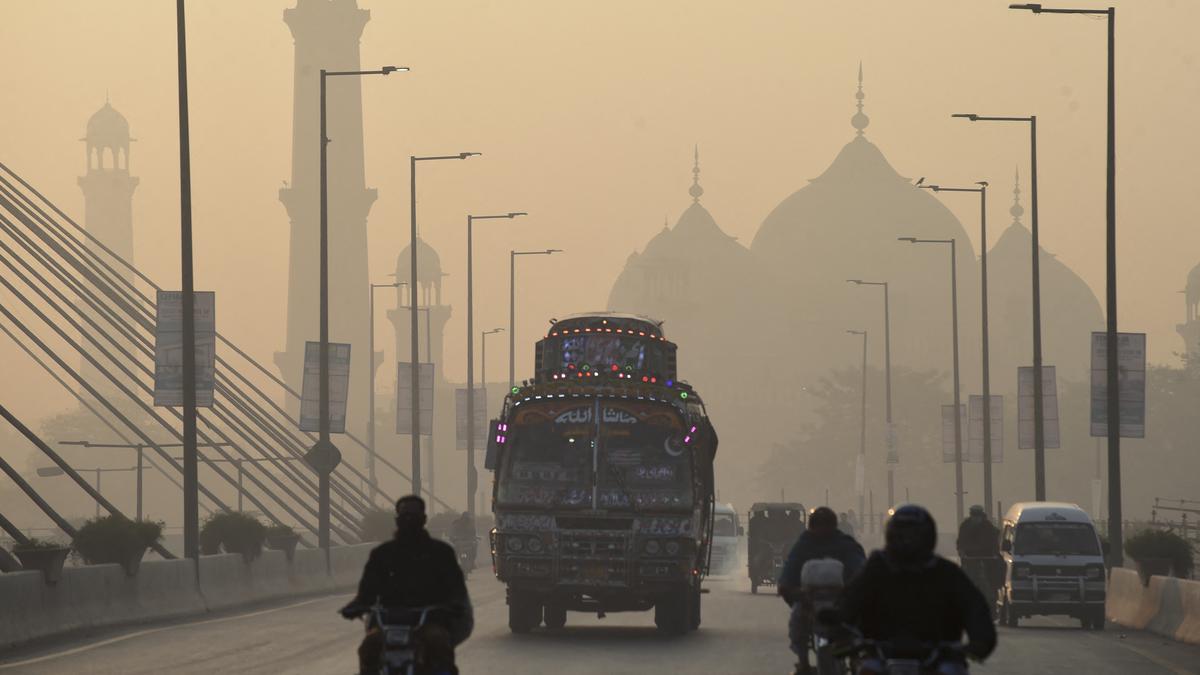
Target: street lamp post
[(958, 474), (987, 390), (1113, 404), (415, 321), (483, 382), (324, 454), (371, 396), (471, 475), (860, 471), (1039, 413), (892, 459), (512, 307)]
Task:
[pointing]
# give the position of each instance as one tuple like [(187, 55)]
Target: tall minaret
[(107, 186), (326, 34)]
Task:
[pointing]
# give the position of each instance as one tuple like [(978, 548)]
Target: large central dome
[(844, 224)]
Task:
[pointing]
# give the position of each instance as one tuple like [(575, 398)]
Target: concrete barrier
[(97, 596), (1167, 606)]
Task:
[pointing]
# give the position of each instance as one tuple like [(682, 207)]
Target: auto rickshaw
[(774, 527)]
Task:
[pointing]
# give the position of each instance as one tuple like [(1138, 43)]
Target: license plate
[(398, 637)]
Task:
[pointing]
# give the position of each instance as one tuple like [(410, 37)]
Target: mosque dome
[(108, 128), (1193, 284), (1070, 310), (429, 264)]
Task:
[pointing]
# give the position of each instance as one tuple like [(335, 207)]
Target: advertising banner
[(975, 434), (1025, 432), (460, 418), (339, 385), (1131, 383), (404, 398), (168, 347), (948, 431)]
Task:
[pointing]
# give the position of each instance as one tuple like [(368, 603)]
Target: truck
[(603, 490)]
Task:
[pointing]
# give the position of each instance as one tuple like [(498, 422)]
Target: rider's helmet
[(911, 536), (822, 521)]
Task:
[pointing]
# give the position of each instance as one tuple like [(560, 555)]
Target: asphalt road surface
[(742, 633)]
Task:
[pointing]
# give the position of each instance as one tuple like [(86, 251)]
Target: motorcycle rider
[(822, 539), (464, 538), (979, 548), (907, 593), (414, 570)]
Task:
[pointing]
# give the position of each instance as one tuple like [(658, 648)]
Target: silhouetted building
[(326, 35), (1070, 310), (844, 224), (1189, 330), (108, 210), (107, 186)]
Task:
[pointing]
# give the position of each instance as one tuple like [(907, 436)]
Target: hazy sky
[(587, 113)]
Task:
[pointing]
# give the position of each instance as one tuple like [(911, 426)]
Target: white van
[(726, 536), (1054, 564)]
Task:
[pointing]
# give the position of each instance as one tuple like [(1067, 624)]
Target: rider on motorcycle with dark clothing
[(906, 594), (410, 571), (979, 551), (822, 539), (464, 538)]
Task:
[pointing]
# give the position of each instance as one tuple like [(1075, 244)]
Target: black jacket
[(978, 539), (933, 603), (418, 572), (839, 546)]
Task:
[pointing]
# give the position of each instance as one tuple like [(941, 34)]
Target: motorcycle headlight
[(514, 544), (672, 547), (652, 547), (535, 545)]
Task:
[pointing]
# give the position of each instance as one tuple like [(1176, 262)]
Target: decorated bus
[(603, 490)]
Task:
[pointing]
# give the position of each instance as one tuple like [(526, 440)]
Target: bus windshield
[(597, 454)]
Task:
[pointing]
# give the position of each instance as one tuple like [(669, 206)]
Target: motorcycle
[(981, 570), (466, 549), (821, 583), (401, 631), (902, 657)]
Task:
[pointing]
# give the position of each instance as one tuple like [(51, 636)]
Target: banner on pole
[(339, 386), (948, 430), (1131, 384), (404, 398), (168, 347), (893, 457), (1026, 438), (460, 418), (975, 429)]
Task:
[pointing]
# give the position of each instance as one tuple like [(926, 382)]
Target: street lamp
[(860, 470), (987, 390), (892, 458), (483, 382), (1114, 400), (50, 471), (324, 456), (512, 307), (371, 395), (958, 475), (471, 477), (1039, 414), (415, 321)]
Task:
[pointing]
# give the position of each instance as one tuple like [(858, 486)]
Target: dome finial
[(860, 120), (1017, 210), (695, 191)]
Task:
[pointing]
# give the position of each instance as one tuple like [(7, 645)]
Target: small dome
[(1193, 282), (108, 128), (429, 264)]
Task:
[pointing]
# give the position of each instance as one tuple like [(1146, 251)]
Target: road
[(742, 633)]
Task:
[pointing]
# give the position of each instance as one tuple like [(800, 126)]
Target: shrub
[(377, 525), (113, 539), (280, 531), (232, 532), (1151, 543), (35, 544)]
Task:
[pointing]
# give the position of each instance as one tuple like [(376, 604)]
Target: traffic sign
[(323, 457)]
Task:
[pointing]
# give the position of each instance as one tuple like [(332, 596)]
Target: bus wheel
[(524, 612)]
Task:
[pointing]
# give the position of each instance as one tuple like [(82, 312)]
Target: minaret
[(860, 121), (326, 34), (107, 186)]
